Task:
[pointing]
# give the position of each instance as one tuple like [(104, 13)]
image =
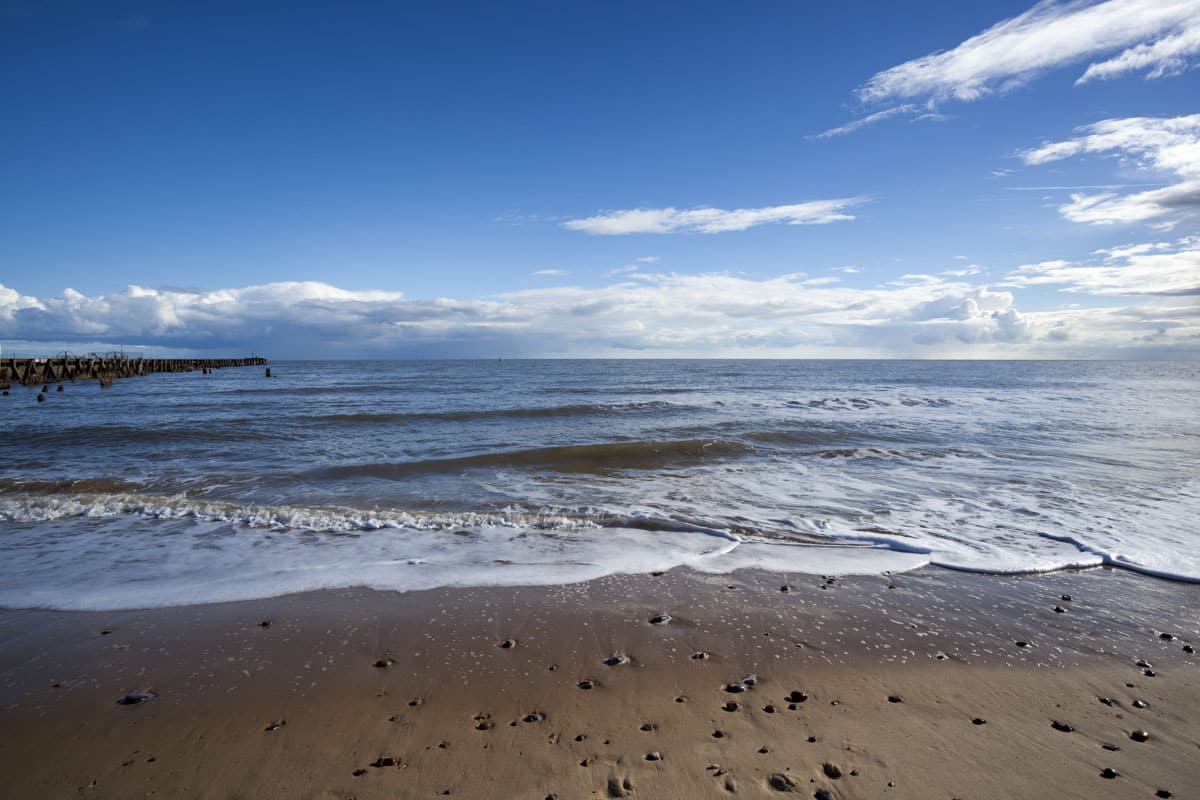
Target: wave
[(589, 458), (533, 412)]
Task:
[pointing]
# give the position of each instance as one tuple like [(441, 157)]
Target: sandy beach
[(925, 685)]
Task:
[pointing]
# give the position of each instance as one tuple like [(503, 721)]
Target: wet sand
[(927, 685)]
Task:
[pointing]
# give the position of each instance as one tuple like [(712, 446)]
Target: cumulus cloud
[(1156, 268), (713, 220), (656, 315), (1168, 145), (551, 272), (1157, 36)]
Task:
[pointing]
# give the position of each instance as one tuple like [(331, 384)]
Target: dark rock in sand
[(979, 721), (648, 726), (764, 750), (383, 761), (1167, 637), (41, 398), (1059, 610), (1140, 703), (416, 701), (507, 644), (718, 734), (731, 706), (616, 660), (1149, 673), (796, 697), (266, 623), (655, 756), (1066, 597), (535, 716), (735, 688), (768, 708), (1108, 701), (1112, 748), (1141, 662), (783, 783), (895, 698), (133, 698), (700, 656), (359, 772), (1061, 726), (1187, 648), (1109, 773), (1162, 793), (812, 740), (660, 619), (822, 794), (274, 726), (383, 663), (586, 684), (1140, 736), (1022, 644), (831, 770)]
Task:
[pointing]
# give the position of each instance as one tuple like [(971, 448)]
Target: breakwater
[(34, 371)]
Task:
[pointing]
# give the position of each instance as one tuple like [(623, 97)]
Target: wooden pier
[(34, 371)]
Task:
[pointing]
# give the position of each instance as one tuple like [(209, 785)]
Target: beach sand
[(860, 687)]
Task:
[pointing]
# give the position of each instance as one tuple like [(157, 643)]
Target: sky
[(941, 179)]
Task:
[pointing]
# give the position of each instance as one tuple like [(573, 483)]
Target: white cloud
[(1170, 55), (849, 270), (973, 269), (648, 260), (713, 220), (549, 272), (1155, 35), (862, 122), (1159, 144), (658, 314), (1143, 269)]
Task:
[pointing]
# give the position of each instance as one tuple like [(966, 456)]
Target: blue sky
[(939, 179)]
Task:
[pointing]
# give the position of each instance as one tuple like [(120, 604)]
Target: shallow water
[(174, 489)]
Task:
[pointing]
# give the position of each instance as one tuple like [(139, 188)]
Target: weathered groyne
[(32, 371)]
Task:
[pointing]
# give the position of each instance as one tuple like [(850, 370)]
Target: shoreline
[(910, 669)]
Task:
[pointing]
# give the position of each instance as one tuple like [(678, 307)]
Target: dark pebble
[(700, 656), (655, 756), (796, 697), (536, 716), (1109, 773), (895, 698), (770, 709), (660, 619), (731, 706), (1141, 662), (266, 623), (1061, 726), (658, 573), (782, 783), (1066, 597), (416, 701), (507, 644), (1187, 648), (1112, 748), (384, 761), (812, 740), (1022, 644), (647, 727), (616, 660), (1140, 736), (274, 726), (383, 663), (1166, 637), (586, 684), (764, 750), (831, 771), (359, 772), (1140, 703), (1149, 673), (979, 721), (822, 794), (735, 688), (133, 698), (718, 734), (1059, 610), (1108, 701), (1162, 793)]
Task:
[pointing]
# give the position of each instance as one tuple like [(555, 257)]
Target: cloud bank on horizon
[(663, 314)]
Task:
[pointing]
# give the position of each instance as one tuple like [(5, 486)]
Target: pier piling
[(44, 371)]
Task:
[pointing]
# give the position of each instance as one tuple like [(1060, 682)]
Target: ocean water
[(189, 488)]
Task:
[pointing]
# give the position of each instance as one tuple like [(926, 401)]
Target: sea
[(189, 488)]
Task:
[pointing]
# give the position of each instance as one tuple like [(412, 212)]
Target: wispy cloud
[(1162, 145), (1155, 268), (1158, 36), (550, 272), (713, 220), (648, 260), (862, 122)]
